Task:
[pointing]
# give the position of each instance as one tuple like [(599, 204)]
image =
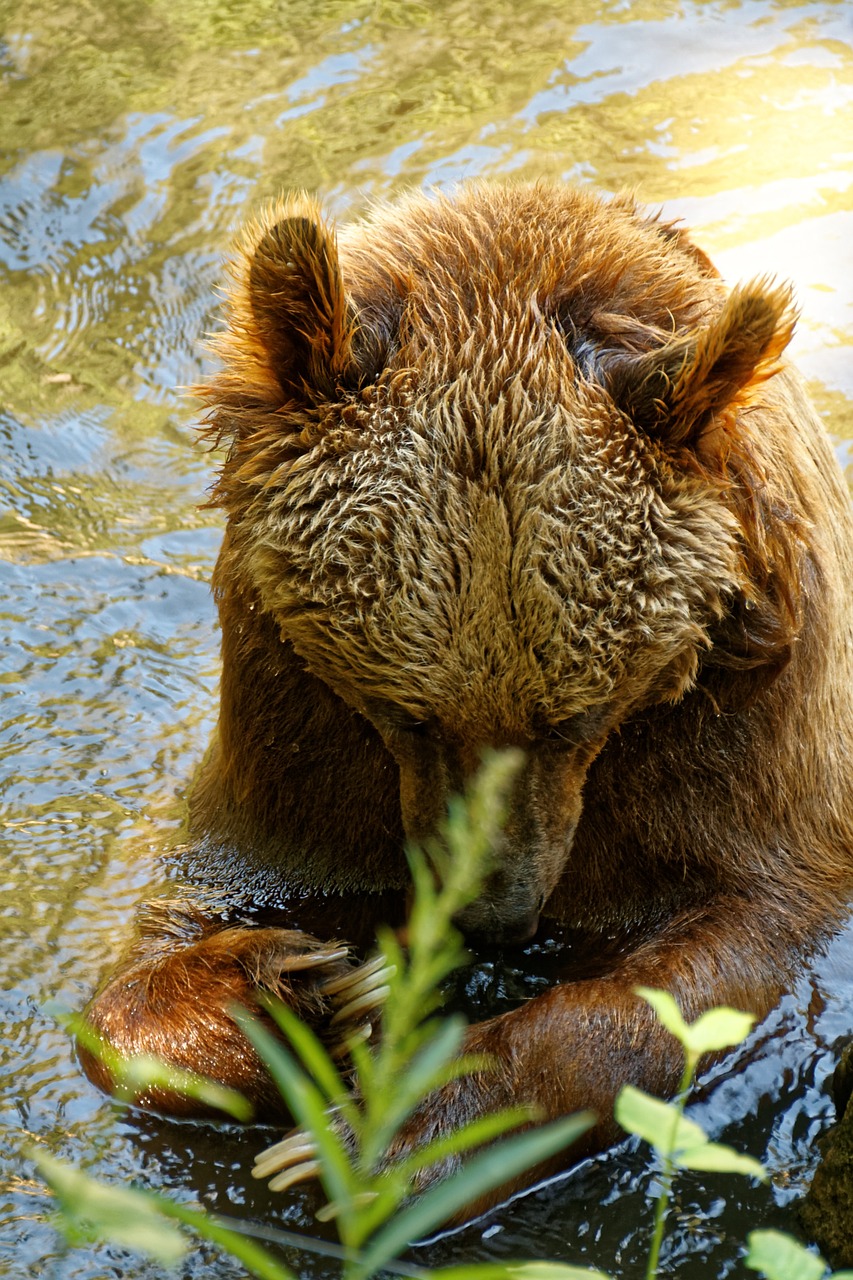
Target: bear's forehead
[(443, 272), (512, 585)]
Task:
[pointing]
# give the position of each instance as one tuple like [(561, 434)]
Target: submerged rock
[(827, 1211)]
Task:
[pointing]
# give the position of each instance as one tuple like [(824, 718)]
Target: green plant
[(415, 1055), (779, 1257), (683, 1144), (679, 1142), (344, 1139), (372, 1202)]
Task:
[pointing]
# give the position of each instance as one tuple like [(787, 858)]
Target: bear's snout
[(482, 921), (531, 830), (507, 909)]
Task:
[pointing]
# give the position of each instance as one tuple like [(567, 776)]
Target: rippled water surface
[(135, 137)]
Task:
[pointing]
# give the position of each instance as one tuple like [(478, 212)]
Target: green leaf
[(780, 1257), (255, 1259), (91, 1210), (312, 1052), (426, 1071), (714, 1157), (474, 1134), (517, 1271), (552, 1271), (137, 1074), (659, 1123), (667, 1011), (718, 1029), (486, 1171), (672, 1135), (308, 1107)]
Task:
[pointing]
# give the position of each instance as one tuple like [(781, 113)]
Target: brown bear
[(511, 468)]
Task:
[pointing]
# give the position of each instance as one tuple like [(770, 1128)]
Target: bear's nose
[(482, 923)]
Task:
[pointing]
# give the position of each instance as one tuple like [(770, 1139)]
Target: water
[(134, 140)]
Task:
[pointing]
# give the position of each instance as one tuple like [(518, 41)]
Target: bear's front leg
[(574, 1047), (174, 996)]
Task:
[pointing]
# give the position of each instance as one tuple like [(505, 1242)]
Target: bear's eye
[(563, 735), (576, 731), (393, 720), (413, 728)]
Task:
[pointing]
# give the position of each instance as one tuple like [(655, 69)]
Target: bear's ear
[(674, 391), (306, 326)]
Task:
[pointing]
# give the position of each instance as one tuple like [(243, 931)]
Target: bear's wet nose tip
[(513, 932), (522, 932)]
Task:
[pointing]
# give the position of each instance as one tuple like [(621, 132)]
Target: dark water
[(135, 137)]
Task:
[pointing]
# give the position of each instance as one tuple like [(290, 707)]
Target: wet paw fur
[(175, 994)]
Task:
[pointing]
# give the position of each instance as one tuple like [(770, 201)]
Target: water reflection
[(133, 139)]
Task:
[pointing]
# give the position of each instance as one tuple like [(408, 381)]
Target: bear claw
[(287, 1162), (354, 996), (365, 976), (314, 959), (342, 1048), (369, 999), (301, 1173), (357, 994)]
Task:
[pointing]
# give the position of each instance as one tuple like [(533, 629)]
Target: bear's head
[(488, 471)]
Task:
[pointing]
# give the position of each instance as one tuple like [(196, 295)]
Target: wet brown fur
[(512, 467)]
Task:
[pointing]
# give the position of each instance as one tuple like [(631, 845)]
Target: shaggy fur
[(513, 468)]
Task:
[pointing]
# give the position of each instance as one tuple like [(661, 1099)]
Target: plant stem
[(238, 1227), (668, 1170)]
